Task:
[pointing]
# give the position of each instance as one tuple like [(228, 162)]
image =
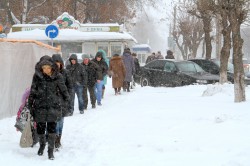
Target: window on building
[(89, 48), (115, 49), (103, 46), (141, 57)]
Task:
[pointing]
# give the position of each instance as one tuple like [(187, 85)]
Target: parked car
[(173, 73), (213, 67)]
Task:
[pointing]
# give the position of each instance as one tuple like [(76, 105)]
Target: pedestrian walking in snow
[(130, 68), (136, 75), (44, 102), (104, 68), (64, 105), (150, 58), (104, 55), (117, 72), (79, 79), (94, 75), (158, 55), (169, 55)]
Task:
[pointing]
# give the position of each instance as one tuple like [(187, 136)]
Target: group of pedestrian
[(158, 55), (53, 89)]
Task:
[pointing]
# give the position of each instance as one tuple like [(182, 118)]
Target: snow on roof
[(82, 25), (30, 41), (72, 35), (141, 47)]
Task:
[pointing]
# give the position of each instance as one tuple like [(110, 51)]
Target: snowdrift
[(18, 59)]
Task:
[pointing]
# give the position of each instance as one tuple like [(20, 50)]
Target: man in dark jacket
[(93, 72), (169, 55), (44, 102), (64, 105), (150, 58), (103, 71), (79, 79)]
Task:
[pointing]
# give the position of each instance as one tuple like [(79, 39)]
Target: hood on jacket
[(58, 58), (104, 56), (73, 57), (45, 57), (45, 61)]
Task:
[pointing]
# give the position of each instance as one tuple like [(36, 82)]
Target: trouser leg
[(92, 95), (85, 96)]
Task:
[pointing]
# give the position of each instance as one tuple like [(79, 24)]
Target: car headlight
[(201, 81)]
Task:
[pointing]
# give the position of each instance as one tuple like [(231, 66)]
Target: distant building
[(142, 51), (76, 37)]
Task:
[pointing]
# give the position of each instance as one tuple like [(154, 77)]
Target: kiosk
[(76, 37)]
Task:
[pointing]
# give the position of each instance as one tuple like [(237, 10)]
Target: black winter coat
[(93, 72), (77, 72), (68, 82), (44, 99), (103, 67)]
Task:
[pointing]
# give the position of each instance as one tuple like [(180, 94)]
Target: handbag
[(26, 137)]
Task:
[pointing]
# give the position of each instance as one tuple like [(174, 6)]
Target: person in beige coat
[(117, 71)]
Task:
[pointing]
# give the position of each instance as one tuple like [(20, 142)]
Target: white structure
[(142, 51), (76, 37), (17, 69)]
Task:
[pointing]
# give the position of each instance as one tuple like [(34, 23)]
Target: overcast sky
[(152, 26)]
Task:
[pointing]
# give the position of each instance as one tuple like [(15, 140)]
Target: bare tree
[(202, 10), (222, 13), (238, 10), (187, 32)]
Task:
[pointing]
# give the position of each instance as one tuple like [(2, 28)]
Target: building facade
[(75, 37)]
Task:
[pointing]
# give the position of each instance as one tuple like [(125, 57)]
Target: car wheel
[(145, 82)]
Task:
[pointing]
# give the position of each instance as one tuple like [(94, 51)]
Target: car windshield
[(189, 67), (230, 66)]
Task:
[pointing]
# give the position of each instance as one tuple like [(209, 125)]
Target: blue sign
[(52, 31)]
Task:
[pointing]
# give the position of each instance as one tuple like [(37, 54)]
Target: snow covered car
[(173, 73)]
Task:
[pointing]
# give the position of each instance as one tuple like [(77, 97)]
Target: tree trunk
[(206, 26), (25, 11), (225, 51), (239, 84)]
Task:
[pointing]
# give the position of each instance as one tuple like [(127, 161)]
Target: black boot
[(51, 145), (58, 141), (35, 137), (128, 86), (42, 142)]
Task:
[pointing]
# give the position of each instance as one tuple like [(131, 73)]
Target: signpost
[(52, 32)]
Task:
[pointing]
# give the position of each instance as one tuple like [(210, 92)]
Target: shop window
[(103, 46), (116, 49), (89, 48)]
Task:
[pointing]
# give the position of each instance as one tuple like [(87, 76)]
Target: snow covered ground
[(182, 126)]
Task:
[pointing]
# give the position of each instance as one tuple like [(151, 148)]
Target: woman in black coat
[(44, 102)]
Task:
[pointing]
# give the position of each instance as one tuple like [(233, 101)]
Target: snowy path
[(146, 127)]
